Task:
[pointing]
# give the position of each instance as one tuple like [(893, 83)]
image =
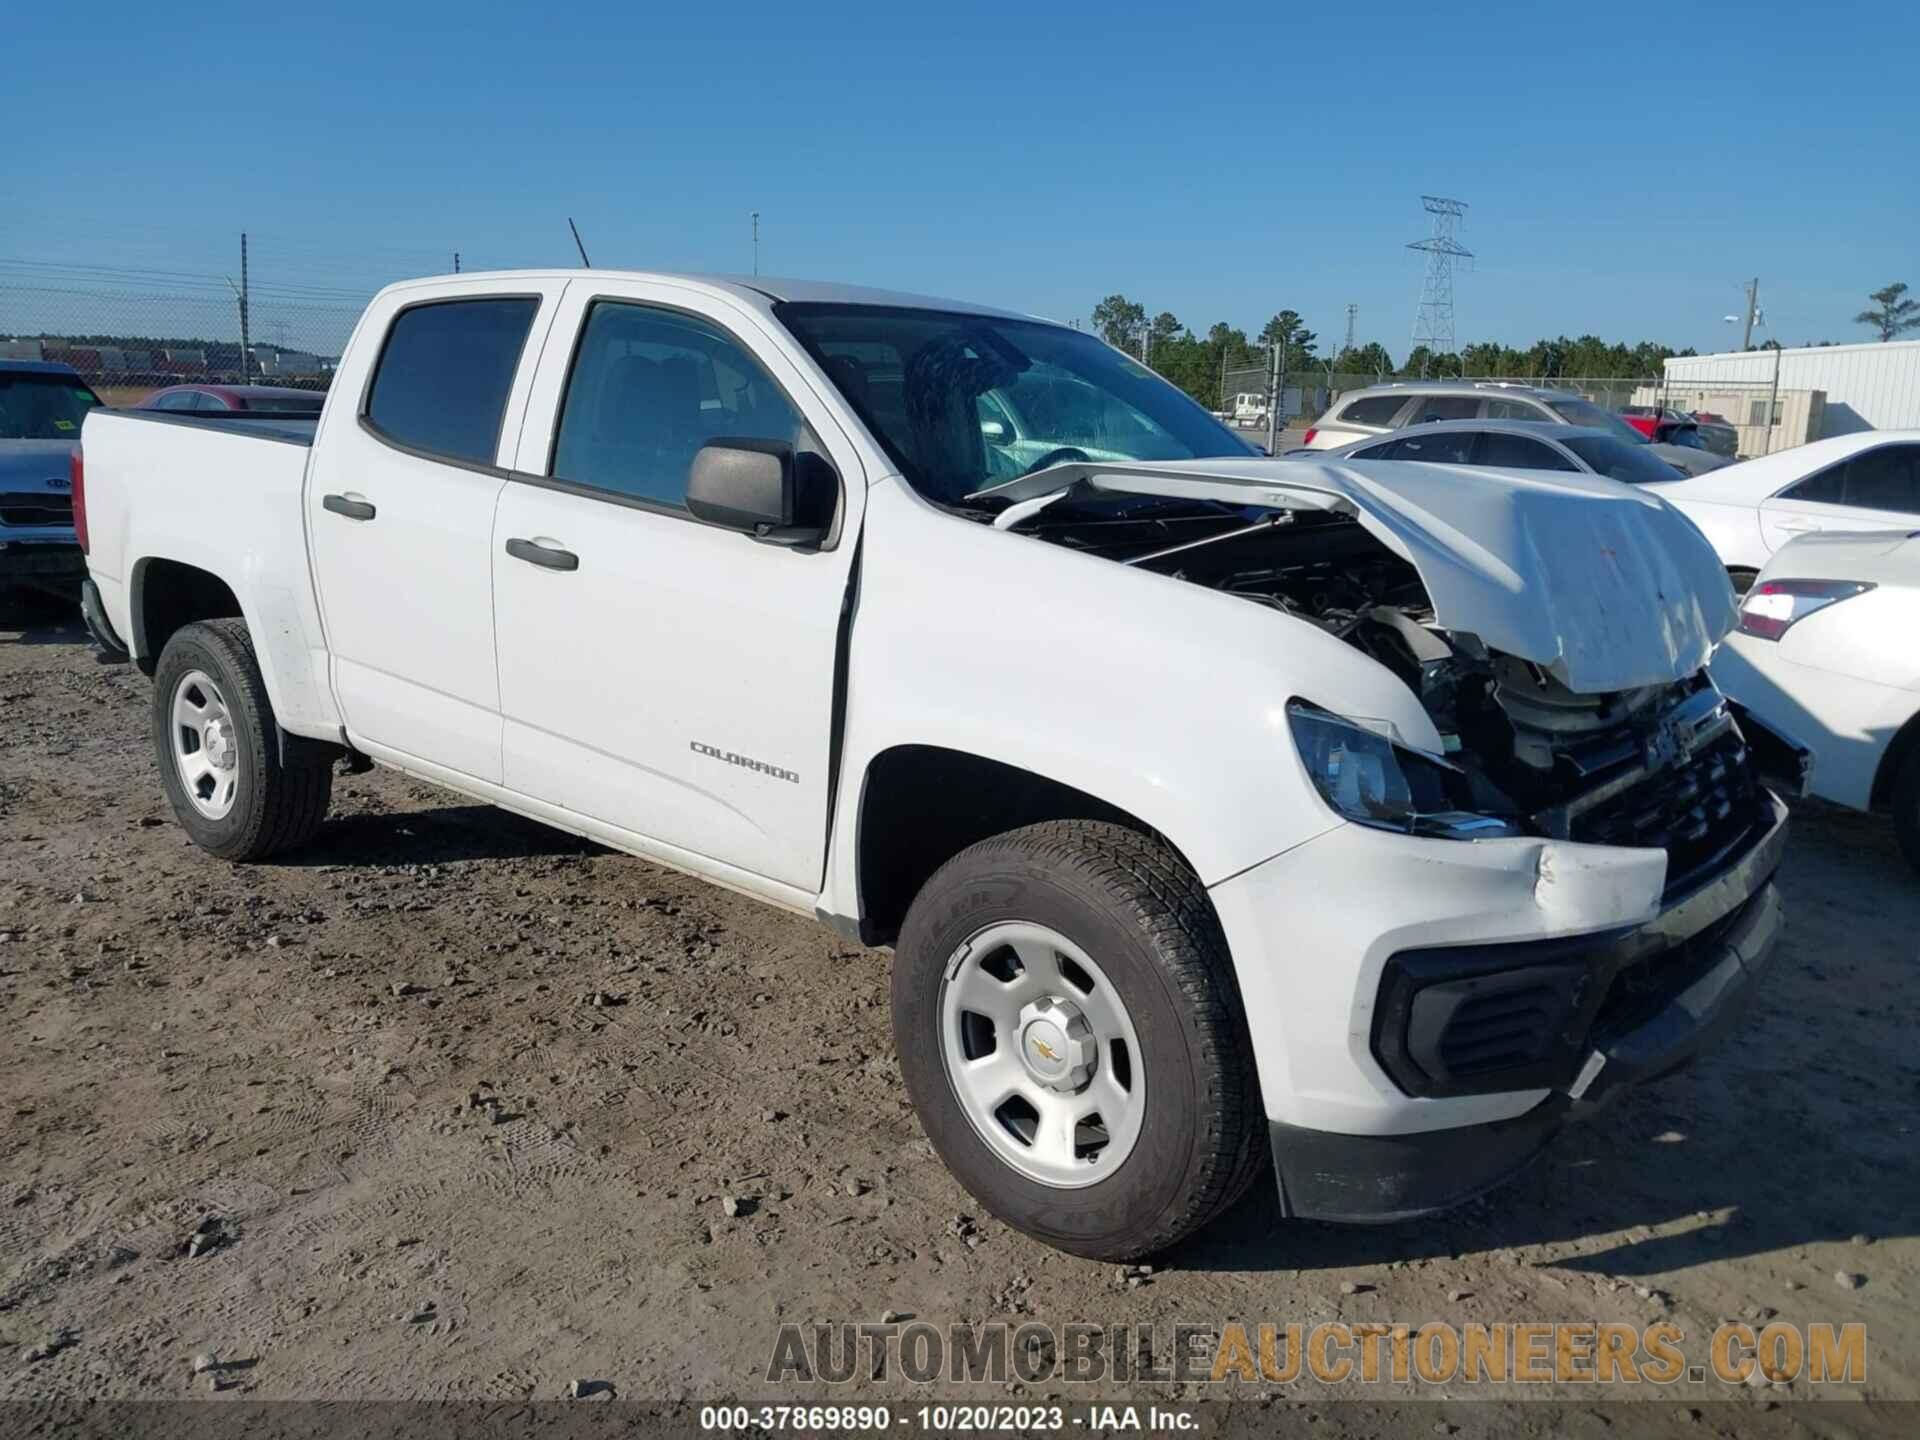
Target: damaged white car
[(1367, 821)]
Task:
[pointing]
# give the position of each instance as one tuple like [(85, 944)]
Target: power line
[(1433, 320)]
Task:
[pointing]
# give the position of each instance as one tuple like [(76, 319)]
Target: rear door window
[(1884, 479), (1446, 407), (442, 380), (1450, 447), (1519, 410), (1829, 487), (1373, 410), (1517, 452)]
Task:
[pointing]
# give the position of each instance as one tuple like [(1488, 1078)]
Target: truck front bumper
[(1604, 985)]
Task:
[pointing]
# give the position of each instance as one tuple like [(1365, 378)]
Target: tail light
[(1312, 430), (1774, 607), (77, 472)]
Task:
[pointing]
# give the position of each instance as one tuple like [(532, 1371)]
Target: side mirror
[(756, 487), (994, 432)]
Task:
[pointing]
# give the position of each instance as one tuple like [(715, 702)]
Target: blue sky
[(1627, 166)]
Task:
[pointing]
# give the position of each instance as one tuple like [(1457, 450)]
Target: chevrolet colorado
[(1367, 820)]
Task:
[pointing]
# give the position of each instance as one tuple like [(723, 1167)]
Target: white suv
[(1380, 408)]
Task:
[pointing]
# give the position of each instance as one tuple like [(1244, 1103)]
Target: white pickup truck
[(1376, 819)]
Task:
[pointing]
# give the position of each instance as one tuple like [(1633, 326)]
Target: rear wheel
[(216, 741), (1069, 1029)]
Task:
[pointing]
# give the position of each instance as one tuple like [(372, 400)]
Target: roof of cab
[(38, 367), (759, 291)]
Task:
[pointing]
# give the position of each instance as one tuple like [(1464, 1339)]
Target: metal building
[(1868, 387)]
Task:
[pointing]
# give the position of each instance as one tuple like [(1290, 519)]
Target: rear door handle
[(343, 505), (1799, 527), (550, 557)]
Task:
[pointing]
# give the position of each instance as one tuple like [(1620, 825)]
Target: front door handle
[(347, 506), (1799, 527), (550, 557)]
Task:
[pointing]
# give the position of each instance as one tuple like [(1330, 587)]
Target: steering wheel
[(1056, 456)]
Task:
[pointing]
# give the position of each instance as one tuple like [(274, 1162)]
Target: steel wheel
[(1041, 1054), (206, 745)]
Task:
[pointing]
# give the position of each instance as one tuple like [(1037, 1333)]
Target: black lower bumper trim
[(39, 561), (1375, 1179), (1379, 1178)]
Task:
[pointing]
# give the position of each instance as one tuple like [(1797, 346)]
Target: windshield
[(1634, 464), (962, 402), (1590, 416), (43, 407)]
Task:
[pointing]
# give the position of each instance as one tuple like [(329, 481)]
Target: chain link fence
[(128, 342)]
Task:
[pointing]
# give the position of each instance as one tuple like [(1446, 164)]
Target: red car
[(277, 399)]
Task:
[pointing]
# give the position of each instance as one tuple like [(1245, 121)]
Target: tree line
[(1195, 362)]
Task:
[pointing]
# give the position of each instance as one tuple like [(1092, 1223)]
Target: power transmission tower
[(1353, 313), (246, 342), (1433, 321), (756, 242)]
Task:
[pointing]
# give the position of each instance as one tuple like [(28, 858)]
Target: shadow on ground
[(434, 836)]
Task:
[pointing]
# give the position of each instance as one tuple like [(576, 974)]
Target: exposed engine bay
[(1661, 766)]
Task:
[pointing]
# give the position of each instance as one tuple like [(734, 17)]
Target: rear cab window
[(440, 386)]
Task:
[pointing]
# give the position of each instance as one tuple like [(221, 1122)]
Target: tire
[(1125, 903), (271, 807), (1906, 808)]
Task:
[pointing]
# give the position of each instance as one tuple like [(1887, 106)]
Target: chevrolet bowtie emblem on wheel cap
[(1044, 1050)]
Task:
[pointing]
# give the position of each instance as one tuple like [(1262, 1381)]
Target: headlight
[(1372, 781), (1772, 607)]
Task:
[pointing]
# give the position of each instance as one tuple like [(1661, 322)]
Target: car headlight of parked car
[(1774, 607), (1371, 780)]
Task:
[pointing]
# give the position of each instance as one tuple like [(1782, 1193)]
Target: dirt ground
[(291, 1050)]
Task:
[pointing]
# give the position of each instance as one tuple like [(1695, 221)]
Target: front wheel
[(1071, 1034), (216, 741)]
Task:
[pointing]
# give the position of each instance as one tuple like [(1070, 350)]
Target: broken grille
[(1695, 810)]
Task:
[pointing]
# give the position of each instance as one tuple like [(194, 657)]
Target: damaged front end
[(1659, 762)]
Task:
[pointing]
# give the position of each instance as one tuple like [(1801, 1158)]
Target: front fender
[(1158, 697)]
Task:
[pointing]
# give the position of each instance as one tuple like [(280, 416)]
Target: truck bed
[(222, 494), (287, 427)]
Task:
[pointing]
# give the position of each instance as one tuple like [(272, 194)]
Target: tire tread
[(1156, 892), (292, 800)]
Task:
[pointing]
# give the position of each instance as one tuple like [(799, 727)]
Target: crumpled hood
[(1604, 586)]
